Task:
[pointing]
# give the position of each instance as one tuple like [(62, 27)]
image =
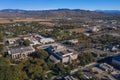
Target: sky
[(59, 4)]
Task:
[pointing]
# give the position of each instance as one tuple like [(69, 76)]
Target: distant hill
[(52, 14), (109, 11), (13, 10)]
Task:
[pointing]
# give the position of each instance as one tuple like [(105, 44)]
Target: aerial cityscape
[(59, 40)]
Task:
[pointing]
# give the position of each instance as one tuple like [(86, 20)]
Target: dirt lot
[(78, 30), (5, 21), (23, 20)]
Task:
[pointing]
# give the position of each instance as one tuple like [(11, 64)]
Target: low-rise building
[(20, 52), (87, 34), (32, 40), (95, 29), (116, 74), (44, 40), (62, 53), (116, 61), (11, 40), (106, 67), (73, 41), (111, 48), (69, 77)]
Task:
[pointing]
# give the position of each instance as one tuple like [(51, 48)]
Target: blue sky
[(55, 4)]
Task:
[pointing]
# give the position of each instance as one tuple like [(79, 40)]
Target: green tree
[(79, 75), (95, 78), (60, 69), (26, 42), (8, 72), (34, 71), (4, 61), (18, 73), (41, 54), (35, 68), (1, 48), (85, 58), (1, 37)]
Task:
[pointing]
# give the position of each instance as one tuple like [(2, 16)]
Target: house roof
[(16, 50)]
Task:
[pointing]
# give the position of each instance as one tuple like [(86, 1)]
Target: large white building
[(32, 40), (20, 52), (73, 41), (44, 40), (62, 53)]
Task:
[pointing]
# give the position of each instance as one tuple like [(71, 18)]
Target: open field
[(78, 30), (23, 20), (1, 43), (5, 21), (30, 20)]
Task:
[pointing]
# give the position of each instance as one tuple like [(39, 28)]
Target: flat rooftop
[(20, 49), (117, 58), (61, 50), (61, 53)]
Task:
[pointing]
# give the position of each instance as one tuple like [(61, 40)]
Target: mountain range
[(55, 14)]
